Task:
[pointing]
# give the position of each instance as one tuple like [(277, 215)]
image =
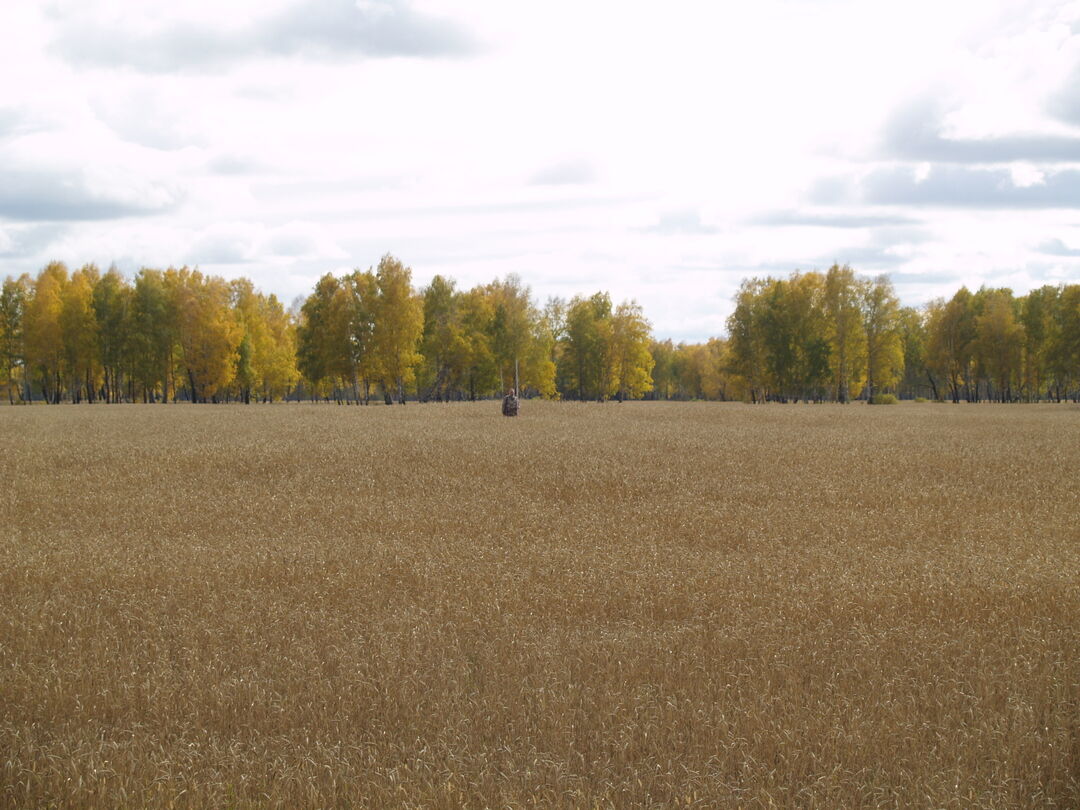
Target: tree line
[(836, 336), (178, 334)]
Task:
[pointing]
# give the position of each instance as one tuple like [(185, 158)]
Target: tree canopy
[(179, 334)]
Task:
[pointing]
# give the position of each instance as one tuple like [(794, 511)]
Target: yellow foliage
[(207, 329)]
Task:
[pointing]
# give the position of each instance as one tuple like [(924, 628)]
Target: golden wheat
[(625, 605)]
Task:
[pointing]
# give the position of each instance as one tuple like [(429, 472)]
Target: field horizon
[(620, 604)]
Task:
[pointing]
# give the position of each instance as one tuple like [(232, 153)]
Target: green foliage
[(152, 337), (882, 326), (112, 311), (883, 399), (913, 336), (585, 363), (810, 336), (814, 336), (397, 315), (13, 300), (605, 352), (845, 332)]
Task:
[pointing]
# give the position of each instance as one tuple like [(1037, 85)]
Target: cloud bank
[(314, 29)]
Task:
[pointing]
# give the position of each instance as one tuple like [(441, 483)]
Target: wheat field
[(619, 605)]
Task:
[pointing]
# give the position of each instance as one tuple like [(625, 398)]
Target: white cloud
[(1025, 175), (660, 151), (320, 29)]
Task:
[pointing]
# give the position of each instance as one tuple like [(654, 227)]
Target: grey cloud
[(318, 28), (878, 254), (916, 289), (885, 248), (951, 187), (835, 190), (914, 133), (862, 258), (219, 248), (865, 257), (15, 122), (971, 188), (180, 47), (1065, 103), (21, 241), (227, 164), (274, 95), (936, 277), (780, 267), (291, 244), (54, 196), (388, 28), (832, 220), (508, 206), (245, 243), (681, 222), (896, 234), (10, 121), (1055, 247), (571, 172), (140, 117)]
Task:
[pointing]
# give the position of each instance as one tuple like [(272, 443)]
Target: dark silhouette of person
[(510, 403)]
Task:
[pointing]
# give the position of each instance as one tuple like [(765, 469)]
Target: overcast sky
[(659, 151)]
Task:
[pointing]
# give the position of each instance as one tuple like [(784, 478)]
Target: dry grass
[(620, 605)]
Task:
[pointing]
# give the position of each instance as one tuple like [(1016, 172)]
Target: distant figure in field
[(510, 403)]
